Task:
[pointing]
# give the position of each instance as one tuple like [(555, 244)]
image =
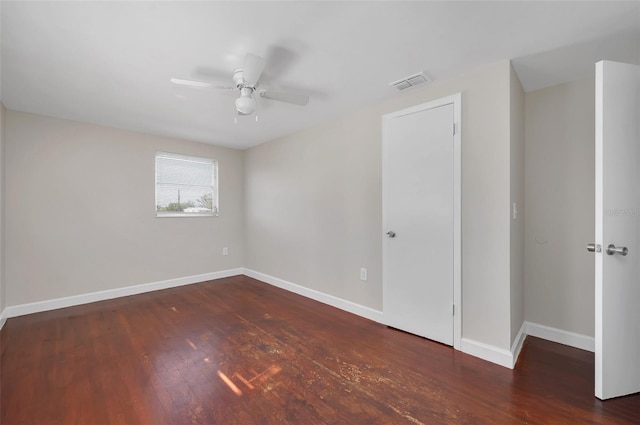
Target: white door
[(617, 229), (421, 219)]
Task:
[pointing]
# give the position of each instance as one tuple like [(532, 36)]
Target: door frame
[(456, 101), (599, 225)]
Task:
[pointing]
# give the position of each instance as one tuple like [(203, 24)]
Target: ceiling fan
[(246, 81)]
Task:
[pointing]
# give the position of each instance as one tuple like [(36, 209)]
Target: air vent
[(410, 81)]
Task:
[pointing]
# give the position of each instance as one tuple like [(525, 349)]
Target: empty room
[(319, 212)]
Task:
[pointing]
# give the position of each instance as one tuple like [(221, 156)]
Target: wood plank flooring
[(238, 351)]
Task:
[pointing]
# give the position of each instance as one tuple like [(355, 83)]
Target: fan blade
[(191, 83), (281, 96), (253, 67), (201, 84)]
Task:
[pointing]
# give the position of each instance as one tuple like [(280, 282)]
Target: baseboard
[(3, 318), (351, 307), (40, 306), (487, 352), (560, 336), (517, 344), (510, 358)]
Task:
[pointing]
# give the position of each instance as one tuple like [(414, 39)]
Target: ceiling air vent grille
[(410, 81)]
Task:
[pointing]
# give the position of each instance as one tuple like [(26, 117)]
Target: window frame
[(215, 210)]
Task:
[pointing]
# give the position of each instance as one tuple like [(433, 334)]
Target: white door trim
[(456, 101), (599, 225)]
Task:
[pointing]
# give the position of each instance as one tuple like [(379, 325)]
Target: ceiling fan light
[(246, 105)]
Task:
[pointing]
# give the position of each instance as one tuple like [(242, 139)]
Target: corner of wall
[(245, 205), (499, 356), (517, 182)]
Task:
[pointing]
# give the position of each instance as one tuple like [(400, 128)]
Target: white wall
[(313, 203), (2, 208), (82, 211), (560, 158), (2, 227), (517, 131)]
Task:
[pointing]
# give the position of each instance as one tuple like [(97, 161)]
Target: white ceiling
[(110, 62)]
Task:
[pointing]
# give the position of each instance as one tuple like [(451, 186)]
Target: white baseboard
[(508, 358), (3, 318), (500, 356), (37, 307), (560, 336), (487, 352), (517, 344), (351, 307)]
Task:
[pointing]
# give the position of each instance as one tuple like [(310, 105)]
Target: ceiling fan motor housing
[(238, 78)]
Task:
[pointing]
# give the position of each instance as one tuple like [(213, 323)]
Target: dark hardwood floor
[(237, 351)]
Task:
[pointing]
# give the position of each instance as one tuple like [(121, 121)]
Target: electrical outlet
[(363, 274), (225, 251)]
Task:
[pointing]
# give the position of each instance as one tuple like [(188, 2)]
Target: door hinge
[(453, 309), (454, 129)]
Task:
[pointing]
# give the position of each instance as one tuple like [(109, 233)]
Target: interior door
[(419, 216), (617, 331)]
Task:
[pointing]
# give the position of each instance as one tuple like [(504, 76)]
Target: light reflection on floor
[(260, 377), (254, 379), (229, 383), (191, 344)]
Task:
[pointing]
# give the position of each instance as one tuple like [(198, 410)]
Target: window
[(186, 186)]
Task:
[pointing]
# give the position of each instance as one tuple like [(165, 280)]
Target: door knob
[(391, 234), (594, 247), (612, 249)]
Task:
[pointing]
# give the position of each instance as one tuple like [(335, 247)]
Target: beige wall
[(313, 208), (2, 205), (313, 203), (517, 129), (82, 211), (560, 158), (3, 298)]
